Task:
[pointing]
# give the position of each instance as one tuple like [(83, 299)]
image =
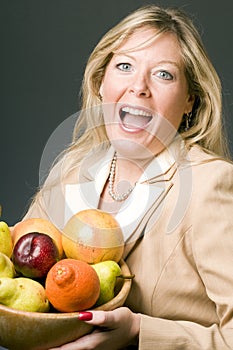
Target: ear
[(101, 89), (190, 103)]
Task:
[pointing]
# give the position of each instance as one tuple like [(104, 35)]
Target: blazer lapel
[(133, 213)]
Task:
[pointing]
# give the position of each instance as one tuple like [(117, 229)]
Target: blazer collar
[(160, 166)]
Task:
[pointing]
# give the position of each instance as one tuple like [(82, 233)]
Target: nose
[(139, 87)]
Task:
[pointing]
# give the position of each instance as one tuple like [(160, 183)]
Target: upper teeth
[(136, 111)]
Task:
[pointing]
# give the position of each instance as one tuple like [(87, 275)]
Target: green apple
[(7, 268), (107, 271), (6, 243), (23, 293)]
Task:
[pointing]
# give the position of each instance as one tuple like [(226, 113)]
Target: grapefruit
[(92, 236)]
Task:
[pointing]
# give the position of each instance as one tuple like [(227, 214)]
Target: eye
[(126, 67), (164, 75)]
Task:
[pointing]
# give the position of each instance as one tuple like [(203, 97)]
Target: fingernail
[(85, 316)]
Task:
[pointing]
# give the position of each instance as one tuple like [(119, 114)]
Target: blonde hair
[(206, 126)]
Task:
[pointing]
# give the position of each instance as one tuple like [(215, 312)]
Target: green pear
[(6, 243), (23, 294), (7, 268), (107, 271)]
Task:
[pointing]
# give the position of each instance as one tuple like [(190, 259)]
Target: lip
[(137, 112)]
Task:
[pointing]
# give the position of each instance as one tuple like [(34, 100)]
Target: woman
[(153, 154)]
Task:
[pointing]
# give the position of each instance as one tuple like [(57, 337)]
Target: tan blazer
[(180, 250)]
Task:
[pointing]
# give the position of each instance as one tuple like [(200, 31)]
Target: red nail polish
[(85, 316)]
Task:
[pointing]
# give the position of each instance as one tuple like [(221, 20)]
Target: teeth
[(136, 111)]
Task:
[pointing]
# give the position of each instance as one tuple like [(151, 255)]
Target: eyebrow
[(174, 63)]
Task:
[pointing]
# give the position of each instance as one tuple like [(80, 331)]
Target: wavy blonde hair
[(206, 126)]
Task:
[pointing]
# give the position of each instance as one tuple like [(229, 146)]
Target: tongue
[(132, 121)]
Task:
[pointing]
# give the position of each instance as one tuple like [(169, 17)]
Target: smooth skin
[(151, 78)]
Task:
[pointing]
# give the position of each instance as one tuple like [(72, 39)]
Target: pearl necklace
[(116, 197)]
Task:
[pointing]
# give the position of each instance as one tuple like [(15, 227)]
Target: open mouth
[(134, 119)]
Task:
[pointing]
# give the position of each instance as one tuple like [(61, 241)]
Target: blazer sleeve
[(212, 244)]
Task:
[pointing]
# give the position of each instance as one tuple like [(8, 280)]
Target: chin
[(131, 149)]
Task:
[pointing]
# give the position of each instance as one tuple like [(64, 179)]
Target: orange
[(93, 235), (38, 225), (72, 285)]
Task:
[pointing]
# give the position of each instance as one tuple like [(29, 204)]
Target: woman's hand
[(114, 330)]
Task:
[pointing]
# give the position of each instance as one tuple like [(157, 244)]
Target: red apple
[(34, 254), (38, 225)]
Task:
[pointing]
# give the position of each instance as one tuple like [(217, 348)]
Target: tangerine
[(93, 235), (72, 285)]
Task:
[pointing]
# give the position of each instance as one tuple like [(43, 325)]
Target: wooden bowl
[(39, 331)]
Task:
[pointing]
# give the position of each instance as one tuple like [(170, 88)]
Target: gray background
[(44, 48)]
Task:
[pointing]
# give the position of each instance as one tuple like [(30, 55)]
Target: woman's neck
[(124, 174)]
